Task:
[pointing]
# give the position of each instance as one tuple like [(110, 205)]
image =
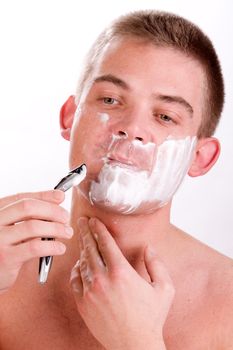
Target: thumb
[(156, 268)]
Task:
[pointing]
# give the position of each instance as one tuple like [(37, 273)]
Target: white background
[(42, 48)]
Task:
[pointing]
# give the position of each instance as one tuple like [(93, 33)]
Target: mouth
[(128, 164)]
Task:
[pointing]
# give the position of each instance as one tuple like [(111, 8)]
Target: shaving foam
[(127, 190), (104, 117)]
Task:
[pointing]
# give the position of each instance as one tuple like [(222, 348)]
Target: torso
[(197, 319)]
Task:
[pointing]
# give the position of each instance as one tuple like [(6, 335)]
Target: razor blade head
[(73, 178)]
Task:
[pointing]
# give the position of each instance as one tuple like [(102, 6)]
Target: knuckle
[(31, 226), (89, 251), (34, 247), (119, 275), (26, 205), (103, 243), (99, 283)]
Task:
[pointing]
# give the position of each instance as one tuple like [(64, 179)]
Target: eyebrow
[(112, 79), (176, 99), (166, 98)]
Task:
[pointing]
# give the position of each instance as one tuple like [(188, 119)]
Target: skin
[(136, 270)]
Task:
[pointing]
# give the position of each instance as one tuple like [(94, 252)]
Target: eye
[(109, 100), (165, 118)]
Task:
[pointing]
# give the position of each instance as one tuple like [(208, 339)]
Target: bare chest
[(25, 330), (53, 331)]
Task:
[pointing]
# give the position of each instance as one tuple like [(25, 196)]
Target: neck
[(131, 232)]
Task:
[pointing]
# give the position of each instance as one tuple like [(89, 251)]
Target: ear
[(67, 112), (206, 155)]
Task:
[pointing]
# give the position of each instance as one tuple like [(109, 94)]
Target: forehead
[(126, 54), (151, 69)]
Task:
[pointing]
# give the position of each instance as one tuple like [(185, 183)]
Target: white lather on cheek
[(126, 190), (104, 117)]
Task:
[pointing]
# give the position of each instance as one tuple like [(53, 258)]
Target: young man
[(144, 114)]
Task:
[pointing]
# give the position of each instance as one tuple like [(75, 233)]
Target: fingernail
[(92, 222), (82, 223), (62, 248), (69, 230)]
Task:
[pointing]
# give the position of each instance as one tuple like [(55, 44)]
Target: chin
[(124, 209)]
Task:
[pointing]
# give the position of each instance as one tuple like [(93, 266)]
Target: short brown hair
[(168, 30)]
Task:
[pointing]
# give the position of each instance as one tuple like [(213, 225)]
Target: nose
[(132, 126), (124, 134)]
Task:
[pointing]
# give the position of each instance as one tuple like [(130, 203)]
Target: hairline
[(146, 41)]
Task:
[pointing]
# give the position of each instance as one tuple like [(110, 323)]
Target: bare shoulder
[(218, 265), (220, 287), (216, 289)]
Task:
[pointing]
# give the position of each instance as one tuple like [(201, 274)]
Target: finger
[(107, 246), (54, 196), (85, 272), (25, 230), (76, 280), (156, 269), (90, 248), (32, 208), (80, 243), (34, 248)]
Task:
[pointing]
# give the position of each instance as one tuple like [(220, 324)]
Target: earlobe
[(67, 112), (206, 155)]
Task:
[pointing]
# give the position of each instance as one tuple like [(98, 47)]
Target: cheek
[(90, 139)]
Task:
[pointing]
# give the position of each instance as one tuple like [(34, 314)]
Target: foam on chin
[(128, 191)]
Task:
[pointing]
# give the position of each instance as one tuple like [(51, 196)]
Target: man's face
[(138, 98)]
